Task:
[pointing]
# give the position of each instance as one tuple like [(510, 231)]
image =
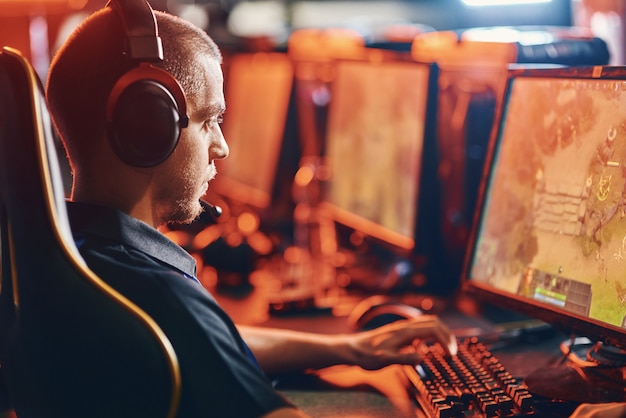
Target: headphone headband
[(142, 33)]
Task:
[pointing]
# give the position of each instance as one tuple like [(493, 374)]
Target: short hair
[(86, 67)]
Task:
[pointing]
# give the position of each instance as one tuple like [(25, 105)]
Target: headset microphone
[(210, 214)]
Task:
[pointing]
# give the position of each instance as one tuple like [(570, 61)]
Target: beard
[(185, 211), (179, 201), (182, 182)]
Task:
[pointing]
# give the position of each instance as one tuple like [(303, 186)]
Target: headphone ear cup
[(144, 118)]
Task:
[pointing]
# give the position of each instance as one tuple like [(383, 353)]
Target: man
[(115, 210)]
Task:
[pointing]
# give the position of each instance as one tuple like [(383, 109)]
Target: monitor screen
[(380, 150), (549, 237), (257, 90)]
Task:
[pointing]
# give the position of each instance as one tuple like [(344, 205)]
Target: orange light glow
[(21, 7), (323, 44), (294, 255), (260, 243), (179, 237), (234, 239), (427, 304), (445, 49), (343, 279), (208, 277), (70, 3), (77, 4), (247, 223), (357, 239), (301, 213), (206, 237), (304, 175)]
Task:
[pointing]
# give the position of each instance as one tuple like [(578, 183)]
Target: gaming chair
[(70, 345)]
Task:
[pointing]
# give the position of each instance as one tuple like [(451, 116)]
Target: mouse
[(378, 310)]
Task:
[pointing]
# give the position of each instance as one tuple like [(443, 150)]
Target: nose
[(218, 150)]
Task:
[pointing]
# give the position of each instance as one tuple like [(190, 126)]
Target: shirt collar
[(118, 226)]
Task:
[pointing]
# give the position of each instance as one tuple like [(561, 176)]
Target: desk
[(344, 391)]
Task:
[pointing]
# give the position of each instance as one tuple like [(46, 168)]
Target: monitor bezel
[(564, 321)]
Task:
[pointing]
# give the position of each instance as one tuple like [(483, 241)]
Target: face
[(184, 177)]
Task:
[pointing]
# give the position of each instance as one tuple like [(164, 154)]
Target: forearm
[(281, 351), (396, 343)]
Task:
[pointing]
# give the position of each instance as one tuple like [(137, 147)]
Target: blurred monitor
[(549, 239), (258, 90), (381, 153), (314, 52)]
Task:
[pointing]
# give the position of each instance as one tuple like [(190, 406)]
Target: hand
[(396, 343), (602, 410)]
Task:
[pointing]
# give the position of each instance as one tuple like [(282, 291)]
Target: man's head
[(81, 77)]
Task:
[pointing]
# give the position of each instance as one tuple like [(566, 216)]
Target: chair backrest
[(70, 345)]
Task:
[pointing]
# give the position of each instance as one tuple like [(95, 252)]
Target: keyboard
[(472, 383)]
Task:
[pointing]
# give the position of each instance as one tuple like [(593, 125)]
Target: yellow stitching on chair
[(16, 297)]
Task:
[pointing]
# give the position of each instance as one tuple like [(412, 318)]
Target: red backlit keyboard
[(471, 384)]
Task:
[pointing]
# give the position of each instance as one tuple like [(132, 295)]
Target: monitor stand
[(600, 379)]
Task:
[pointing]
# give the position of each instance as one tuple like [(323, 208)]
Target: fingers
[(396, 342), (429, 327)]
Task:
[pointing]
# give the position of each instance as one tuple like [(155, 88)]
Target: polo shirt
[(220, 377)]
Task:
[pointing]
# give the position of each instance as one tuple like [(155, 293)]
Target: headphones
[(146, 109)]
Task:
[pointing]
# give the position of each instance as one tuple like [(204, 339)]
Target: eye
[(212, 122), (215, 120)]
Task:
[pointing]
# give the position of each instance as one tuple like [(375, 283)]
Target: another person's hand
[(603, 410), (398, 342)]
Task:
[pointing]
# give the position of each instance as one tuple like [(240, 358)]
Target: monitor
[(549, 237), (258, 89), (472, 75), (382, 157)]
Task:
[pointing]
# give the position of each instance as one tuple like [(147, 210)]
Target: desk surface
[(344, 391)]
